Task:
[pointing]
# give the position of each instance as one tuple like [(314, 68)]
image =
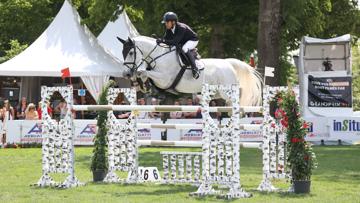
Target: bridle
[(133, 67)]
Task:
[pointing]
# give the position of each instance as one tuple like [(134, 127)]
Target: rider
[(180, 34)]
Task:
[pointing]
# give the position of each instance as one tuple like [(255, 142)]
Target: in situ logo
[(346, 125)]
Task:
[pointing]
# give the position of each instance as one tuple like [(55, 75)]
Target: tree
[(229, 33), (269, 36), (15, 49)]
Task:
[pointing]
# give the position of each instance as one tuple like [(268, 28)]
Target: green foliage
[(99, 159), (15, 49), (25, 20), (300, 156)]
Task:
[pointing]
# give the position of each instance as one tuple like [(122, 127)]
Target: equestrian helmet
[(169, 16)]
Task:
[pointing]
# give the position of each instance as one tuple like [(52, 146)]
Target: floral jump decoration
[(301, 159)]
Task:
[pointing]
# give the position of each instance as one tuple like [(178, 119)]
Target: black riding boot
[(195, 70)]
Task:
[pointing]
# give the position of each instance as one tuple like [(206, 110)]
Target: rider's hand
[(159, 40)]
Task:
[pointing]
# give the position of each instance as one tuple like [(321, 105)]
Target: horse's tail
[(250, 82)]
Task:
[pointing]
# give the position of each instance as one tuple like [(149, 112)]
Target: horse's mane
[(152, 41), (144, 38)]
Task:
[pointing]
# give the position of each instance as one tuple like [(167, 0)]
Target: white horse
[(147, 60)]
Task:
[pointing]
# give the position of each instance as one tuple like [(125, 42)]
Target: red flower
[(306, 157), (284, 123), (273, 125), (295, 140), (305, 125), (286, 118), (278, 113)]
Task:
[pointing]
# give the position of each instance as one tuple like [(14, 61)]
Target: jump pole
[(161, 143), (161, 108)]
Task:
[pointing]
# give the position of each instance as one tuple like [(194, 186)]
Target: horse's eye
[(131, 53)]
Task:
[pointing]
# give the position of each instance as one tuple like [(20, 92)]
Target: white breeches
[(189, 45)]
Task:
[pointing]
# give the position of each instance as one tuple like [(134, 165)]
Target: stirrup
[(196, 73)]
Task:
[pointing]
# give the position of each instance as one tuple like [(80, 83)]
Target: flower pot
[(99, 175), (302, 186)]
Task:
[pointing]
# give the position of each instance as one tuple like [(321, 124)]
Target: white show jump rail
[(193, 126), (161, 108), (161, 143)]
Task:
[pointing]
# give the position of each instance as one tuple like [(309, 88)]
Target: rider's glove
[(159, 40)]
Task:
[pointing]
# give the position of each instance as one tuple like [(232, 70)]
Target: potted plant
[(99, 162), (300, 157)]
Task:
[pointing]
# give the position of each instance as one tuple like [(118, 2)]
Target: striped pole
[(193, 126), (160, 108), (161, 143)]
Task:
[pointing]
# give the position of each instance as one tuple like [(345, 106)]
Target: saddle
[(185, 61)]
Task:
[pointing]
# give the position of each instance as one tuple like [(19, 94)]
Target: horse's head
[(134, 61)]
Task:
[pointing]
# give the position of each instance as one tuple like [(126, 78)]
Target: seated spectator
[(123, 115), (176, 114), (214, 115), (154, 114), (142, 115), (31, 113), (21, 108), (61, 108), (77, 114), (189, 102), (197, 103), (49, 110)]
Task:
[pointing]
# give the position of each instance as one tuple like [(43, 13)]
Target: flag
[(65, 73), (269, 71)]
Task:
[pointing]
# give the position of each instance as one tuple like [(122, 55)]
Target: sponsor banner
[(195, 134), (31, 132), (249, 135), (318, 129), (148, 133), (26, 131), (344, 128), (85, 131), (13, 131), (329, 92), (184, 134)]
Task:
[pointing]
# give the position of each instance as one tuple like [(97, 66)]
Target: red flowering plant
[(300, 157)]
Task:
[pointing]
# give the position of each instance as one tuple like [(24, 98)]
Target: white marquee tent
[(123, 28), (66, 43)]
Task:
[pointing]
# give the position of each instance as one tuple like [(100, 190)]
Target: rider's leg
[(189, 45)]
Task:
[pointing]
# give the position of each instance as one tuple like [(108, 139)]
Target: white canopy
[(122, 28), (66, 43)]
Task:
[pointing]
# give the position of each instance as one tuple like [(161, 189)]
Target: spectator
[(142, 115), (123, 115), (77, 114), (154, 114), (21, 108), (7, 114), (31, 113), (49, 110), (189, 102), (61, 108), (177, 114), (197, 103), (215, 115)]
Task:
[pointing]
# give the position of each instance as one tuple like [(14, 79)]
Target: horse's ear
[(130, 40), (121, 40)]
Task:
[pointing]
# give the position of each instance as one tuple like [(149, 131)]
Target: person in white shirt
[(176, 114), (154, 114), (143, 115)]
